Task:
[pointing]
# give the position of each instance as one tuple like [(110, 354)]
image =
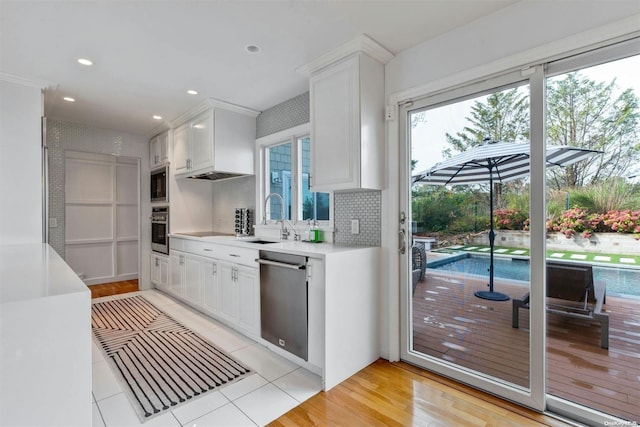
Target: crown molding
[(12, 78), (361, 44), (209, 103)]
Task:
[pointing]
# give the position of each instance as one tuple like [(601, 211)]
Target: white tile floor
[(277, 386)]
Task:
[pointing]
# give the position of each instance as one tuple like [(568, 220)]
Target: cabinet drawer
[(244, 256)]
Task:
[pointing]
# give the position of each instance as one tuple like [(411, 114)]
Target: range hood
[(217, 176)]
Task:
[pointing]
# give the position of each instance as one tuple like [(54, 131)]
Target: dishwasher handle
[(281, 264)]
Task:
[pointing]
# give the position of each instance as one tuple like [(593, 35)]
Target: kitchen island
[(45, 339), (343, 301)]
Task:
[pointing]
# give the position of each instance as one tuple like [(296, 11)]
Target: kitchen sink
[(260, 242)]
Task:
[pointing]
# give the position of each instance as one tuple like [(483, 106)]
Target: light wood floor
[(398, 394), (452, 324), (113, 288)]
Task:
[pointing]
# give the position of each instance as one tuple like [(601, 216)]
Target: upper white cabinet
[(158, 150), (347, 124), (215, 137)]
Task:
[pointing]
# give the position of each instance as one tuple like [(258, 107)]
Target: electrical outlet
[(355, 226), (53, 222)]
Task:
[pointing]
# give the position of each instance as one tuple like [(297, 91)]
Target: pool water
[(620, 281)]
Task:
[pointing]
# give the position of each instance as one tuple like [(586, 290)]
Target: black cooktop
[(205, 234)]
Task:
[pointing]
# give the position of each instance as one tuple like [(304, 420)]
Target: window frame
[(294, 137)]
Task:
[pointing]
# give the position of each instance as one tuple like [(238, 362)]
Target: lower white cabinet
[(211, 287), (227, 291), (248, 301), (239, 291), (176, 282), (160, 271)]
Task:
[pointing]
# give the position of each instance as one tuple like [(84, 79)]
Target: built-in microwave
[(160, 185)]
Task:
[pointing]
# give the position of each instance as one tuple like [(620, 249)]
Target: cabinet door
[(248, 300), (164, 272), (211, 286), (335, 127), (176, 283), (163, 147), (202, 141), (155, 270), (159, 271), (228, 292), (193, 266), (154, 152), (181, 149)]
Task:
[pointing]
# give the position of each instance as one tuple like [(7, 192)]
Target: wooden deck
[(452, 324)]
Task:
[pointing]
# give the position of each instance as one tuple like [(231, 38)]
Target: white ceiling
[(147, 54)]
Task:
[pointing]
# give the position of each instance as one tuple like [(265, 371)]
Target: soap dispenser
[(307, 232)]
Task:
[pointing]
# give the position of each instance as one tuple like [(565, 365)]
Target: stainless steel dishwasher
[(283, 301)]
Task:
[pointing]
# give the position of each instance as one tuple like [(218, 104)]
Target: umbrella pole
[(490, 294)]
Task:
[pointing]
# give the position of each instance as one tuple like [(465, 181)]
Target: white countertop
[(288, 246), (32, 271)]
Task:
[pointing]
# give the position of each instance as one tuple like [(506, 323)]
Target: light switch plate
[(53, 222), (355, 226)]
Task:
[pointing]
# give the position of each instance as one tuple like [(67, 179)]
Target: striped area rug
[(162, 363)]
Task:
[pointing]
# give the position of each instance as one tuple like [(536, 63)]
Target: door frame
[(602, 37), (534, 396)]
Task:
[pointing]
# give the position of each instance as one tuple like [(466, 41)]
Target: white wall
[(512, 31), (228, 195), (526, 33), (62, 136), (20, 163)]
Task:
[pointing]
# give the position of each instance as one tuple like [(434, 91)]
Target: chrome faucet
[(284, 233)]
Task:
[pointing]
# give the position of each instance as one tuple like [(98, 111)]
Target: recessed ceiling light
[(85, 61), (69, 99), (157, 117), (192, 92), (252, 48)]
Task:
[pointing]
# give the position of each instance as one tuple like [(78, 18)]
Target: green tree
[(504, 116), (586, 114)]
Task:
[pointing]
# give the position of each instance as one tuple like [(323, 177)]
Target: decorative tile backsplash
[(286, 115), (365, 206)]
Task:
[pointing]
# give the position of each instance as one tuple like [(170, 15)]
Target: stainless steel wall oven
[(160, 230)]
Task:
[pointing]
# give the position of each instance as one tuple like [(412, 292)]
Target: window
[(315, 206), (287, 173)]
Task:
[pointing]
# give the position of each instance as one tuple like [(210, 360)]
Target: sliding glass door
[(486, 293), (466, 200)]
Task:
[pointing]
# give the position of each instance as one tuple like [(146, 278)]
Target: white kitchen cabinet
[(347, 125), (219, 138), (240, 297), (202, 141), (180, 159), (187, 277), (248, 299), (160, 271), (176, 282), (193, 278), (211, 287), (228, 293), (158, 150)]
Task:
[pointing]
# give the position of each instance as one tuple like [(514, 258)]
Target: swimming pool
[(620, 281)]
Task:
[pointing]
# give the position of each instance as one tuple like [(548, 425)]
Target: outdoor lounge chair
[(572, 292), (418, 264)]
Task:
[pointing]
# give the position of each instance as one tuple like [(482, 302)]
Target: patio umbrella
[(495, 161)]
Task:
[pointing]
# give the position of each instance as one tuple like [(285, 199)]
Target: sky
[(428, 138)]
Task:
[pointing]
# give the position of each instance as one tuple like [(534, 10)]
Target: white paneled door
[(102, 212)]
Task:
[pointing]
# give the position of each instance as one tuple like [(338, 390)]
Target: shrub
[(509, 219), (626, 221)]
